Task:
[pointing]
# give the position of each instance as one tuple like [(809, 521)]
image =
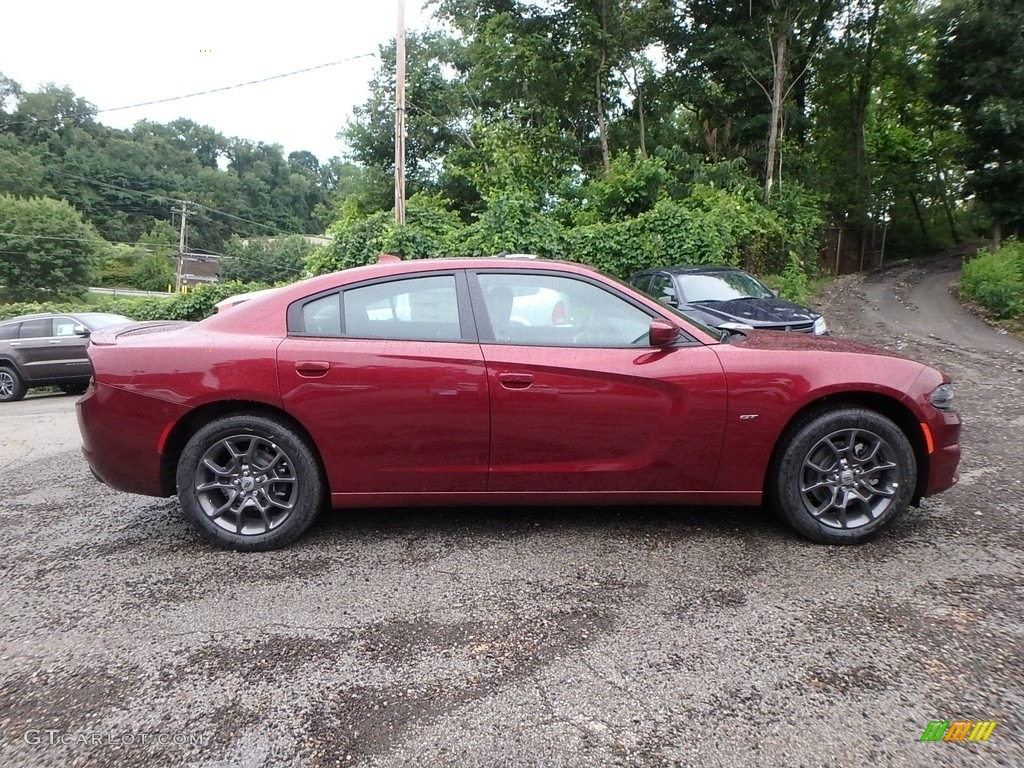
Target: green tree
[(980, 66), (45, 248), (267, 260), (153, 272)]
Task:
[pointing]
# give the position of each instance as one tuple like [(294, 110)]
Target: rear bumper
[(121, 432)]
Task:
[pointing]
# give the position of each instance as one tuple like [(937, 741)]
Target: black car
[(727, 298), (48, 350)]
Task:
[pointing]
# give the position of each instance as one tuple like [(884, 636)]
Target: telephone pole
[(400, 116), (182, 242)]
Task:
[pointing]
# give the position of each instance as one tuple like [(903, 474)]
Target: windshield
[(721, 286)]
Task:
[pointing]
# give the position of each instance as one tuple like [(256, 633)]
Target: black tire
[(266, 489), (74, 389), (11, 386), (843, 476)]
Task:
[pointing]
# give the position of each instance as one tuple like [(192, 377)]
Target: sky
[(115, 53)]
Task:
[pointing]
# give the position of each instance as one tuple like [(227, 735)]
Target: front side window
[(555, 310), (64, 326), (664, 290)]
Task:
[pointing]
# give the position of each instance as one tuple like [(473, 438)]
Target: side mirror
[(81, 330), (661, 334), (669, 300)]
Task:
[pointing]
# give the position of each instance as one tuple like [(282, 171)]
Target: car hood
[(773, 311), (790, 342)]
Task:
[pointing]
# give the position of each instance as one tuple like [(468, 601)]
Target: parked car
[(48, 350), (314, 396), (728, 298)]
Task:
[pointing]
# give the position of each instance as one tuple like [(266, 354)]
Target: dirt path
[(919, 301)]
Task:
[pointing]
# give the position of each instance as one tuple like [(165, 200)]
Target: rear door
[(389, 378), (581, 402)]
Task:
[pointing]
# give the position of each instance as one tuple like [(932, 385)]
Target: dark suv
[(48, 350)]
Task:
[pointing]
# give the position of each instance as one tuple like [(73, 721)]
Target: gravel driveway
[(548, 637)]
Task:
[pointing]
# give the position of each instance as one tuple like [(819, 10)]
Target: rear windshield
[(102, 320)]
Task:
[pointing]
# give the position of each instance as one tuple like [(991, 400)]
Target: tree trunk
[(778, 94), (602, 128), (859, 114), (640, 113), (920, 219), (802, 62), (944, 196)]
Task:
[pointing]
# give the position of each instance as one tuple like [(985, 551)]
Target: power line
[(169, 199), (90, 113), (79, 240)]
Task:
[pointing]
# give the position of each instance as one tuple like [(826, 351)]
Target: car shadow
[(502, 522)]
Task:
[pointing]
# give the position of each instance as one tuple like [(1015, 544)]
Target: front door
[(581, 402)]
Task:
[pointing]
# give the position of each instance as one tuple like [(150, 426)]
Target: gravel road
[(546, 637)]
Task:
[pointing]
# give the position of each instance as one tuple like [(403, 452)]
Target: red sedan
[(504, 381)]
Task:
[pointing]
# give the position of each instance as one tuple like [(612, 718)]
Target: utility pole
[(182, 242), (400, 116)]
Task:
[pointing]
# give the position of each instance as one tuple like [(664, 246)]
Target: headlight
[(819, 327), (730, 326), (942, 397)]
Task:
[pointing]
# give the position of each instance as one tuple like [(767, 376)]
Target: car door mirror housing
[(81, 330), (661, 333)]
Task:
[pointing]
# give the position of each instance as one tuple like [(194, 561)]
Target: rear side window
[(9, 331), (36, 329), (420, 308), (322, 317), (414, 309)]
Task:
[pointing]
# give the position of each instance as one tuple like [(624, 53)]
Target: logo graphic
[(958, 730)]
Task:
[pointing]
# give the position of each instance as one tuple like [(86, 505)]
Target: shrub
[(793, 283), (996, 280)]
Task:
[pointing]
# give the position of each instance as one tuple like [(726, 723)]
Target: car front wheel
[(844, 476), (249, 482), (11, 386)]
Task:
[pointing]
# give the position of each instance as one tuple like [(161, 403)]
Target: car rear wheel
[(844, 476), (249, 482), (11, 386)]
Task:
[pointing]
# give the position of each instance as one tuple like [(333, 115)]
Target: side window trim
[(467, 328), (487, 335)]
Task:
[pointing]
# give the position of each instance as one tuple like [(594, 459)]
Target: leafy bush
[(793, 283), (996, 280), (512, 223)]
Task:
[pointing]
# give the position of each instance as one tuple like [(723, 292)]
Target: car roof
[(45, 315), (391, 267), (37, 316), (695, 269)]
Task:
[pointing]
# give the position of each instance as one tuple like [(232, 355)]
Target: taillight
[(558, 313)]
